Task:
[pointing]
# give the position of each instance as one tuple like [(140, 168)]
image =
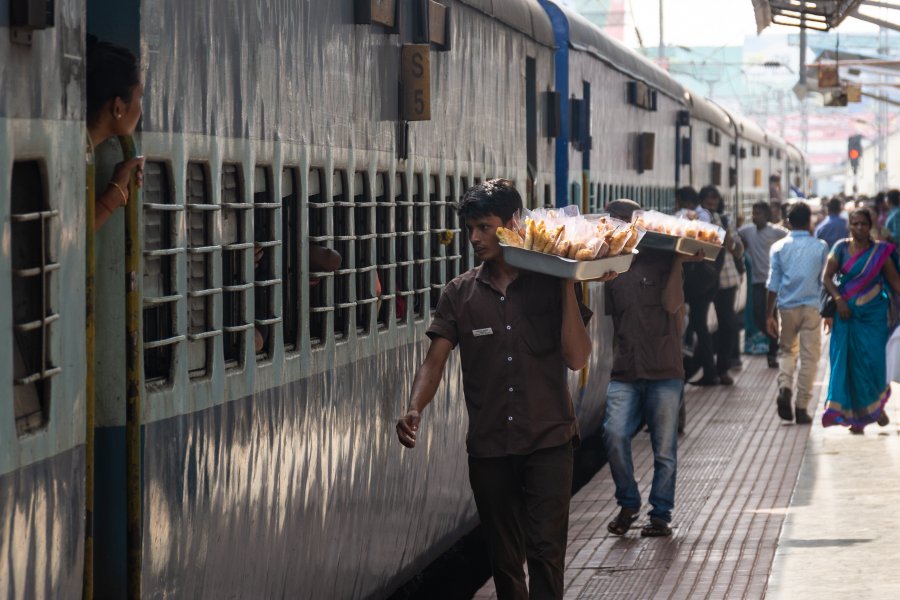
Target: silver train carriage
[(273, 128)]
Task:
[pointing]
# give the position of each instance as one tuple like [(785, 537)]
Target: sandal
[(656, 528), (622, 523), (856, 430), (883, 419)]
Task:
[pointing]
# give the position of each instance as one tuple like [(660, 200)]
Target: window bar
[(421, 246), (235, 282), (403, 240), (320, 282), (265, 213), (439, 242), (290, 254), (385, 234), (160, 295), (367, 279)]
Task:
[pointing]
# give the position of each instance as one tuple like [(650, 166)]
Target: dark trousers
[(697, 323), (523, 504), (727, 335), (760, 294)]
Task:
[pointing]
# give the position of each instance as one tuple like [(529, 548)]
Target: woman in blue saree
[(856, 392)]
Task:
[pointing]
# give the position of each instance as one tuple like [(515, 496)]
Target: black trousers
[(727, 334), (704, 357), (523, 504), (760, 294)]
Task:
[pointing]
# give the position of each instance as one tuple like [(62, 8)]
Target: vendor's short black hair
[(687, 195), (497, 197), (799, 215)]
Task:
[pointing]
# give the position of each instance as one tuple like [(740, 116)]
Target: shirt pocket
[(541, 333)]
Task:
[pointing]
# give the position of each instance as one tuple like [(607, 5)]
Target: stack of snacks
[(658, 222), (567, 234)]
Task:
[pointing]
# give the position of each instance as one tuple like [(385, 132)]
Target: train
[(149, 449)]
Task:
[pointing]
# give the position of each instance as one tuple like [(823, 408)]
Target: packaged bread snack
[(568, 234), (658, 222)]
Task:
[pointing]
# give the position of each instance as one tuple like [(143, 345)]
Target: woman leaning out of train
[(863, 266), (517, 332), (114, 93)]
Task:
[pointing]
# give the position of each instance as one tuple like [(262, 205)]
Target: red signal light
[(854, 154)]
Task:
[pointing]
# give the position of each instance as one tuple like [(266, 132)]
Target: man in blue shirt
[(834, 228), (893, 219), (795, 272)]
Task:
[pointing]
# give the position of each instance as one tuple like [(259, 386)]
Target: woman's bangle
[(121, 191)]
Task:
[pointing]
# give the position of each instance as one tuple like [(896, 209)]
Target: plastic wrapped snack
[(658, 222), (567, 244), (568, 234), (685, 236)]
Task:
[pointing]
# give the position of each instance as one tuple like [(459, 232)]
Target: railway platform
[(764, 509)]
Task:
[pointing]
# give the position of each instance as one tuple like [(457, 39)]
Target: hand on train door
[(407, 427)]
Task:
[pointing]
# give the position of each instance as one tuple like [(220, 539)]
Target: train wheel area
[(763, 507)]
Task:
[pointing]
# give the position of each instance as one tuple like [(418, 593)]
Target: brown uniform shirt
[(514, 375), (647, 339)]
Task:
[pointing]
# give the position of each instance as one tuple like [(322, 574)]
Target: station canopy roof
[(813, 14)]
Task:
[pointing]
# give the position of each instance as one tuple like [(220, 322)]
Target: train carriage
[(753, 168), (618, 110), (709, 158), (286, 452), (42, 310)]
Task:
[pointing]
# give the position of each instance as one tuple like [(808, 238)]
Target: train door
[(114, 533)]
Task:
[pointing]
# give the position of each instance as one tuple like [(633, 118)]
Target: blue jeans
[(657, 401)]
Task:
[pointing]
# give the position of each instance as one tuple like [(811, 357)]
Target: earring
[(118, 116)]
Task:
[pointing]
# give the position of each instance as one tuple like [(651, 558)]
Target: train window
[(365, 264), (320, 234), (32, 229), (342, 217), (451, 226), (201, 220), (465, 248), (235, 279), (266, 243), (403, 245), (438, 240), (548, 195), (290, 255), (384, 248), (160, 251), (420, 245)]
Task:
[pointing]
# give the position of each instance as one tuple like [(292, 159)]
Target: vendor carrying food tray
[(566, 244), (677, 234)]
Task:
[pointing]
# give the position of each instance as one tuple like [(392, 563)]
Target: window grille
[(465, 248), (385, 235), (421, 246), (364, 252), (451, 225), (342, 217), (403, 242), (290, 256), (235, 279), (438, 240), (32, 225), (160, 292), (201, 248), (265, 212), (320, 282)]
